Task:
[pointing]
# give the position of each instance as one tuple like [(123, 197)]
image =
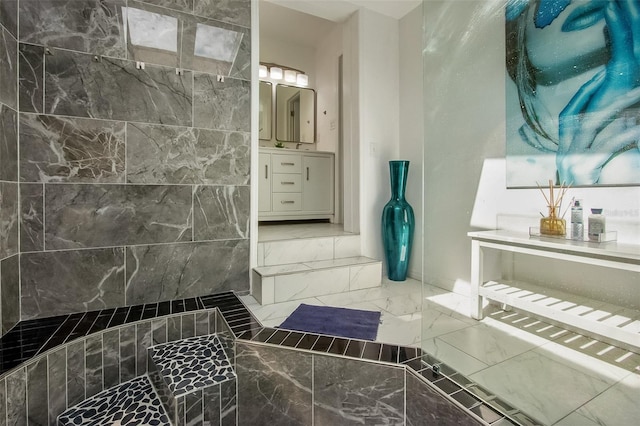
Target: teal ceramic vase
[(398, 224)]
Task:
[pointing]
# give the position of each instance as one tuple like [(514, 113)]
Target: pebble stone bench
[(126, 366)]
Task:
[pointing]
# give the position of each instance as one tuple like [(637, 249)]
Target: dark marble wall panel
[(194, 409), (183, 5), (3, 401), (94, 26), (159, 331), (65, 149), (274, 386), (188, 326), (202, 324), (79, 85), (31, 217), (55, 283), (8, 219), (211, 397), (228, 403), (75, 372), (427, 406), (17, 398), (8, 69), (10, 291), (174, 328), (113, 215), (57, 361), (351, 391), (93, 365), (9, 16), (176, 271), (233, 11), (37, 390), (186, 155), (31, 77), (222, 105), (221, 212), (111, 358), (127, 353), (8, 143), (143, 342)]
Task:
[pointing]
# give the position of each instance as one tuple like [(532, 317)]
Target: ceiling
[(307, 21)]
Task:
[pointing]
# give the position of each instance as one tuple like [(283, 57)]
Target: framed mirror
[(266, 106), (295, 114)]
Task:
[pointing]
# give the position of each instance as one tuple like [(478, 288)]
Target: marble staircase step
[(188, 375), (293, 281), (308, 249), (134, 402)]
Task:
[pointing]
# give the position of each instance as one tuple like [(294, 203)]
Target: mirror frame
[(315, 127), (271, 111)]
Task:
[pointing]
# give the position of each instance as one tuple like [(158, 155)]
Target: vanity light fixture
[(278, 72), (275, 73), (290, 76)]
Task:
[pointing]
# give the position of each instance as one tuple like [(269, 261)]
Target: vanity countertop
[(293, 150)]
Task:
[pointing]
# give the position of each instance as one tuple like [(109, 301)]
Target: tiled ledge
[(28, 339)]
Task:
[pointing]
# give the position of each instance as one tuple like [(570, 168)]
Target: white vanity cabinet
[(295, 185)]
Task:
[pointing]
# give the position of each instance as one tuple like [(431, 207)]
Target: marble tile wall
[(279, 385), (131, 180), (40, 389)]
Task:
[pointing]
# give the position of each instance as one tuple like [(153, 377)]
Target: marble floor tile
[(540, 386), (403, 330), (436, 323), (400, 305), (455, 358)]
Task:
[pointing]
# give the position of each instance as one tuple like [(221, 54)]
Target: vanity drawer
[(283, 163), (286, 202), (286, 182)]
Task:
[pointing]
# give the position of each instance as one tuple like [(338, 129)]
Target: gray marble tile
[(80, 85), (274, 385), (216, 48), (57, 362), (94, 365), (175, 271), (143, 342), (10, 291), (111, 358), (221, 105), (193, 408), (3, 401), (61, 282), (94, 26), (75, 372), (114, 215), (8, 219), (17, 398), (127, 353), (228, 403), (351, 392), (212, 405), (174, 328), (427, 406), (183, 5), (31, 77), (9, 16), (8, 143), (8, 69), (188, 327), (163, 154), (31, 217), (233, 11), (159, 331), (66, 149), (221, 212), (38, 413), (202, 324)]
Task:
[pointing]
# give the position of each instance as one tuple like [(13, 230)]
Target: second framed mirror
[(295, 114)]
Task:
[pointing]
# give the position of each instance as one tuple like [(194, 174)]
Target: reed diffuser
[(553, 223)]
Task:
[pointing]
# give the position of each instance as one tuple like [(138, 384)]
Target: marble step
[(191, 377), (134, 402), (281, 283), (308, 249)]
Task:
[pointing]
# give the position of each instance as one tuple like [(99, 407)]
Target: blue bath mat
[(343, 322)]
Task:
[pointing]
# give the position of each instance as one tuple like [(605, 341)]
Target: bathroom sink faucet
[(298, 145)]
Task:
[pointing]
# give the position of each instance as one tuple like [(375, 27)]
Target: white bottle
[(577, 225), (596, 224)]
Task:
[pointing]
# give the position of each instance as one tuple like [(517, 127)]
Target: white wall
[(326, 69), (411, 119), (464, 150), (378, 87)]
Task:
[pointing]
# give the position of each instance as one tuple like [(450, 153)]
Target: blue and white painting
[(573, 92)]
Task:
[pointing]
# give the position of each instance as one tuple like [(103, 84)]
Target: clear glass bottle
[(597, 224)]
